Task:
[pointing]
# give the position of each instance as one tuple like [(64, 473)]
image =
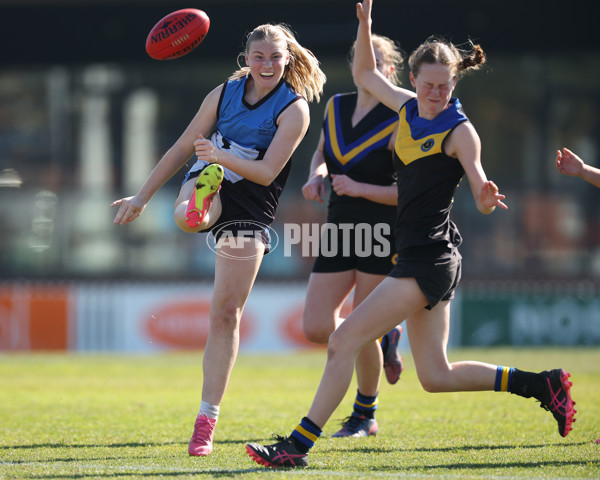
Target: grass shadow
[(104, 445), (462, 448), (226, 473)]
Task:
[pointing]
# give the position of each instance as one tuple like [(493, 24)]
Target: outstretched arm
[(464, 144), (364, 67), (571, 165), (172, 161)]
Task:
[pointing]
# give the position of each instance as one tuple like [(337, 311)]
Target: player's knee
[(226, 317), (431, 387), (316, 336), (336, 345), (317, 324), (432, 383), (181, 223), (317, 333), (179, 218)]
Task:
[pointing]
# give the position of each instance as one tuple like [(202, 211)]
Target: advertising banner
[(154, 317)]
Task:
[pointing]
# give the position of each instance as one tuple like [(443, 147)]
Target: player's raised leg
[(206, 187), (200, 197)]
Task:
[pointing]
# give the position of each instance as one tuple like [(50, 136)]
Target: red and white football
[(177, 34)]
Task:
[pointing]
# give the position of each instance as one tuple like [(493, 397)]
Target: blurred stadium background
[(85, 114)]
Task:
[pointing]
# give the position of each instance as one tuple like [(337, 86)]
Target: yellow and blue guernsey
[(427, 182), (359, 151)]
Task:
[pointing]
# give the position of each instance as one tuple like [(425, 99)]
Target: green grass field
[(115, 416)]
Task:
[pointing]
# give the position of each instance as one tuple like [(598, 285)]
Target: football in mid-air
[(177, 34)]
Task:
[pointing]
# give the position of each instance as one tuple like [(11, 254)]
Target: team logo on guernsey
[(428, 145), (267, 127)]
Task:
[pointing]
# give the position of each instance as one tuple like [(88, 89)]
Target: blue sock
[(305, 435), (503, 378), (364, 405)]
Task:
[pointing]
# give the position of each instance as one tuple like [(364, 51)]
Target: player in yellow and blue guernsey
[(354, 156), (436, 145), (420, 143)]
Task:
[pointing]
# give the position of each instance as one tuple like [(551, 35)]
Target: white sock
[(210, 410)]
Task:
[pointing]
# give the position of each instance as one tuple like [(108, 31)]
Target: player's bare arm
[(291, 128), (568, 163), (203, 122), (364, 66), (384, 194), (465, 145), (314, 188)]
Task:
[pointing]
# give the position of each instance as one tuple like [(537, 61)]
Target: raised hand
[(568, 163), (363, 10)]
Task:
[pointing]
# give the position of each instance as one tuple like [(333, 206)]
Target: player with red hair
[(436, 146)]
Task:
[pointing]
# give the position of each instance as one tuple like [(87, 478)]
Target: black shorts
[(234, 220), (356, 248), (437, 277), (366, 241)]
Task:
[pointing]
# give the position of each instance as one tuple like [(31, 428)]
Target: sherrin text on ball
[(177, 34)]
